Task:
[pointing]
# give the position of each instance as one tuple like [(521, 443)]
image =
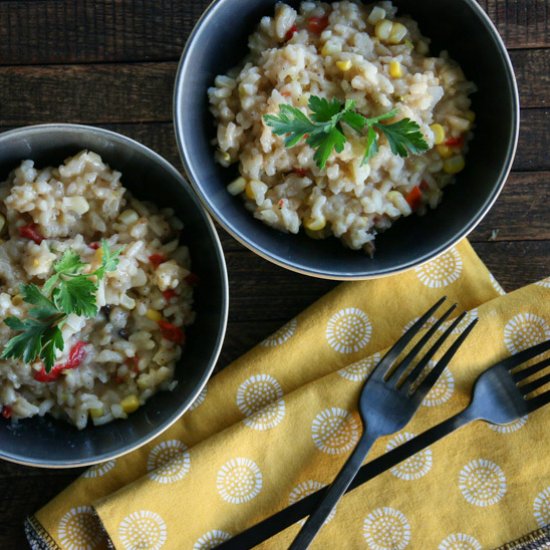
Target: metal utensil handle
[(333, 493), (286, 517)]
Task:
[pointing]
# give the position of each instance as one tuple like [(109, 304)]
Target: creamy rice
[(127, 356), (352, 57)]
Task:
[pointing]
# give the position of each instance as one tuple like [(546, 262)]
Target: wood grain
[(112, 63), (91, 31), (126, 92)]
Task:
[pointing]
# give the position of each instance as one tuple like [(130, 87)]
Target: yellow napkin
[(279, 423)]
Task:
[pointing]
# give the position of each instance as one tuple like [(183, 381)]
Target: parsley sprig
[(323, 130), (67, 291)]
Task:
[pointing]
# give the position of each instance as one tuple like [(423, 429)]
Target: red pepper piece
[(455, 141), (171, 332), (424, 185), (157, 259), (6, 411), (76, 355), (54, 374), (317, 24), (169, 294), (132, 363), (290, 33), (192, 279), (302, 172), (119, 379), (94, 246), (414, 198), (31, 232)]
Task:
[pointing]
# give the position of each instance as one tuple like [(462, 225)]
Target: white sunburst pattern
[(360, 370), (260, 399), (525, 330), (428, 324), (335, 431), (212, 539), (441, 272), (386, 528), (239, 480), (200, 399), (79, 529), (510, 427), (482, 482), (280, 336), (496, 285), (349, 330), (541, 507), (304, 489), (99, 470), (545, 283), (459, 541), (442, 390), (416, 466), (168, 461), (143, 529), (461, 327)]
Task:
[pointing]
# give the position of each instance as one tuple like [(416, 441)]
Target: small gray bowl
[(50, 443), (219, 42)]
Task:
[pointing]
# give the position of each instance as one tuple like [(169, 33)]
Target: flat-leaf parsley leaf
[(324, 130), (67, 291)]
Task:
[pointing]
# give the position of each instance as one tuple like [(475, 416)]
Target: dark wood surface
[(112, 63)]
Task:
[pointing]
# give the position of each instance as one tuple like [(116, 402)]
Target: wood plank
[(531, 155), (522, 23), (90, 31), (141, 92), (129, 92), (87, 93), (521, 211)]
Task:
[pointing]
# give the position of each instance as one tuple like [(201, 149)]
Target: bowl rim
[(183, 67), (221, 266)]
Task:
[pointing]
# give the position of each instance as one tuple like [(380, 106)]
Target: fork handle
[(333, 493)]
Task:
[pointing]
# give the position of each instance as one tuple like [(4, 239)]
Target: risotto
[(345, 51), (111, 363)]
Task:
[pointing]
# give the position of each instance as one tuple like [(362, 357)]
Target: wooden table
[(112, 64)]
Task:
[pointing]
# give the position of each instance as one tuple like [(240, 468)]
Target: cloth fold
[(280, 421)]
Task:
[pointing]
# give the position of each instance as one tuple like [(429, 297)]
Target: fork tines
[(516, 361), (406, 381)]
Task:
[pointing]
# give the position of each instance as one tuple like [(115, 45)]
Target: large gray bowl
[(51, 443), (219, 41)]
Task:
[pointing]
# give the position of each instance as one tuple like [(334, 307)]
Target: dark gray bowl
[(50, 443), (218, 42)]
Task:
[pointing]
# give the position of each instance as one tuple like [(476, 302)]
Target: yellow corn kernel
[(383, 29), (96, 412), (154, 315), (130, 403), (315, 224), (439, 133), (2, 223), (317, 235), (17, 300), (249, 192), (398, 32), (396, 70), (236, 187), (344, 65), (377, 14), (99, 254), (453, 165), (444, 151), (470, 115)]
